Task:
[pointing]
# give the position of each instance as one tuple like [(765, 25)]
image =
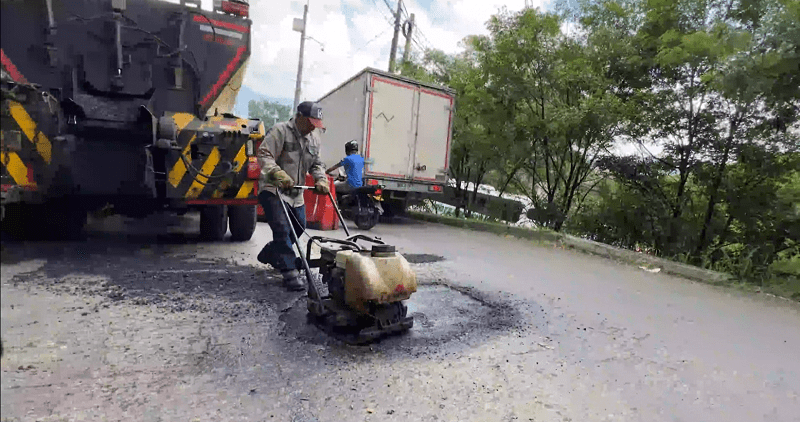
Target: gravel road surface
[(137, 325)]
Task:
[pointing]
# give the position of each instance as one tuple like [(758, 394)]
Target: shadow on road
[(147, 262), (152, 262)]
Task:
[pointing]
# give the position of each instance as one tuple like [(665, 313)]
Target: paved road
[(134, 327)]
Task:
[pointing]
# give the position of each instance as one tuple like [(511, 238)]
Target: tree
[(716, 85), (269, 112), (561, 117)]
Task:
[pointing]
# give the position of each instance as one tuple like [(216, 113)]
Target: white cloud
[(355, 33)]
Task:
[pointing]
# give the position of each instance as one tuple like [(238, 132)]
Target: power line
[(420, 33), (418, 38), (371, 40), (423, 45), (420, 46), (390, 20), (391, 9)]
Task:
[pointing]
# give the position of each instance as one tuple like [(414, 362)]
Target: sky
[(351, 35), (355, 34)]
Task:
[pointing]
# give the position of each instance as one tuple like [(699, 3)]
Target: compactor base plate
[(355, 329)]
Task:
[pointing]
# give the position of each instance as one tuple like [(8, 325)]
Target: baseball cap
[(310, 110)]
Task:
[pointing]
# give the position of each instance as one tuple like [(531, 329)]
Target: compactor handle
[(375, 240), (321, 239)]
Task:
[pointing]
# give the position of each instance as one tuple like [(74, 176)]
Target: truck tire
[(213, 222), (18, 221), (392, 208), (65, 221), (242, 222)]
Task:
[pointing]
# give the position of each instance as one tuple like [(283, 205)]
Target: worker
[(289, 150), (353, 164)]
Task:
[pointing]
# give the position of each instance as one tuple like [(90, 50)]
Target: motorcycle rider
[(353, 164), (289, 150)]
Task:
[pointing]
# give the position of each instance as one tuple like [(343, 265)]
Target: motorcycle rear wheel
[(366, 221)]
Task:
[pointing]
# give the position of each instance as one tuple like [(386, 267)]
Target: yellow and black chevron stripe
[(25, 149), (220, 146), (26, 152)]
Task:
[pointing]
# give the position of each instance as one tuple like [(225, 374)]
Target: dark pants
[(279, 251), (342, 188)]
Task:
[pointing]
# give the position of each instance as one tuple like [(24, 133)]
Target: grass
[(786, 287), (490, 226)]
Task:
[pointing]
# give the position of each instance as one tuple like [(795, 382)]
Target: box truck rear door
[(431, 152), (390, 128)]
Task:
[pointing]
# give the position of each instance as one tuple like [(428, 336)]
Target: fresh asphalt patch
[(422, 258), (220, 289)]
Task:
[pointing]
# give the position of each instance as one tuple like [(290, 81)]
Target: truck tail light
[(236, 8), (435, 188), (253, 169), (372, 182)]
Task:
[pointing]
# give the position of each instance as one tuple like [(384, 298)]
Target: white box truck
[(403, 128)]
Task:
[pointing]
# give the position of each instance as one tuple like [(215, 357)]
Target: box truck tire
[(65, 220), (213, 222), (394, 208), (242, 222)]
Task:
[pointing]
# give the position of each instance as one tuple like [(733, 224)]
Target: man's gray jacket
[(283, 148)]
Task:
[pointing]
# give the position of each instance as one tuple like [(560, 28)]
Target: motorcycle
[(362, 205)]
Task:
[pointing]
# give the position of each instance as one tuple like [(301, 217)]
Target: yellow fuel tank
[(380, 276)]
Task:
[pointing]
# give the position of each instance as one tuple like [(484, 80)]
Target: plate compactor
[(358, 294)]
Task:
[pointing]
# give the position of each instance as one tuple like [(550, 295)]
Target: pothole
[(422, 258), (441, 314)]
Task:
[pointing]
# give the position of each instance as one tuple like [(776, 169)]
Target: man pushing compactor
[(288, 152)]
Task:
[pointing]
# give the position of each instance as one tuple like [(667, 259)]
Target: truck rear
[(126, 103), (403, 127)]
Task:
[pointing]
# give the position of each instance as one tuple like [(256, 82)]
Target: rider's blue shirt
[(354, 167)]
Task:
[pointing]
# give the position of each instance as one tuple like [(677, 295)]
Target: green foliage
[(268, 111), (714, 83)]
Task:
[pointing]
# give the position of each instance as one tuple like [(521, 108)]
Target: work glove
[(282, 180), (321, 187)]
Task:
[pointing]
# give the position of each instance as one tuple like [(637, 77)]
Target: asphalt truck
[(403, 127), (125, 105)]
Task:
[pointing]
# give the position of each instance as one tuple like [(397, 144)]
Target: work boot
[(292, 280), (266, 257)]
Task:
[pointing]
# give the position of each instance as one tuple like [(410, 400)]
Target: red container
[(320, 213)]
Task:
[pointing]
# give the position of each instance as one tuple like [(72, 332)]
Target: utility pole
[(408, 34), (300, 26), (393, 53)]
